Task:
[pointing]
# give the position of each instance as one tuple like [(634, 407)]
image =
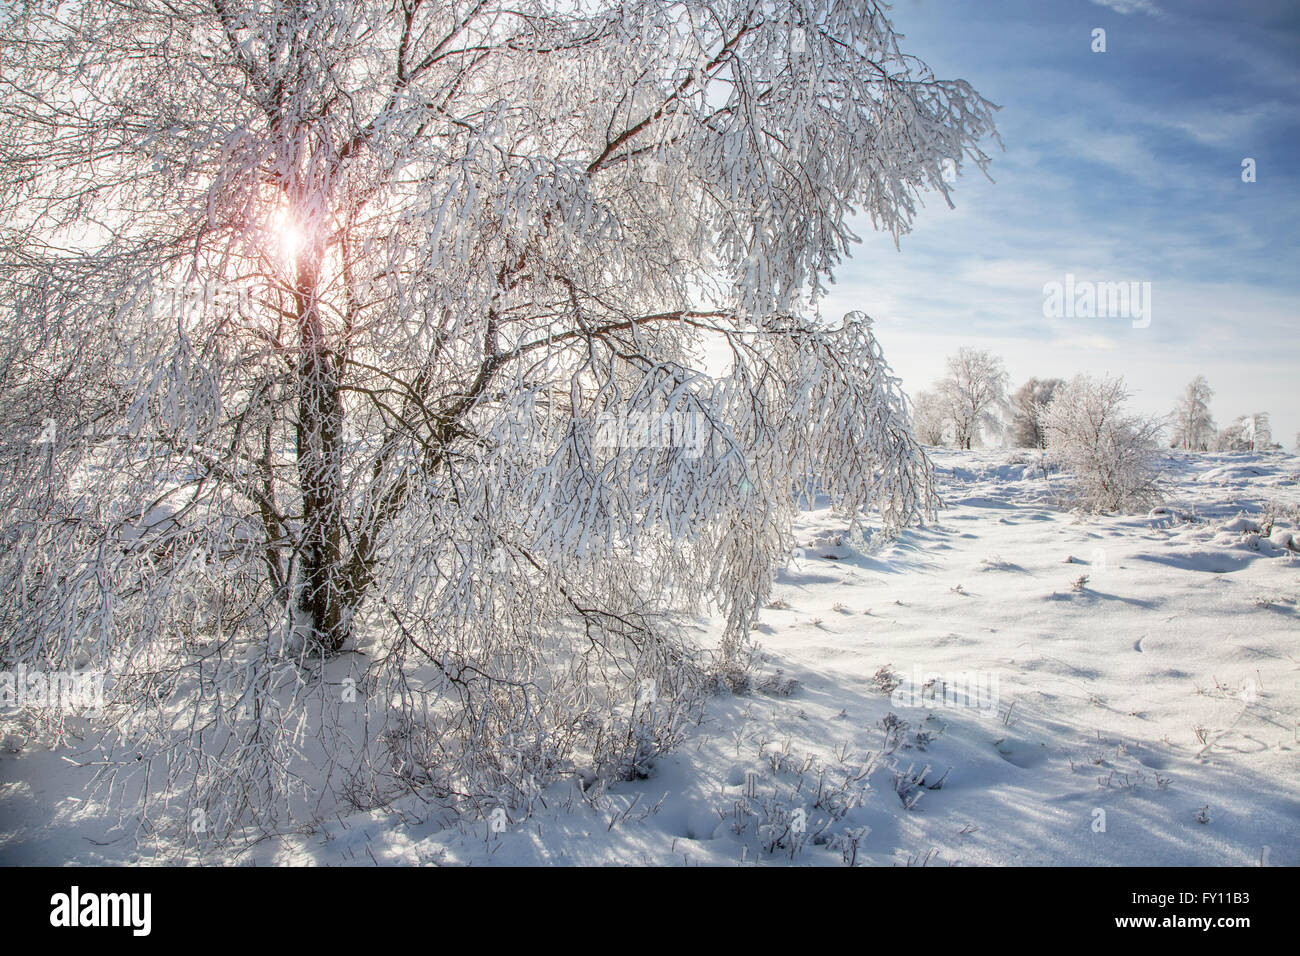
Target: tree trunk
[(322, 597)]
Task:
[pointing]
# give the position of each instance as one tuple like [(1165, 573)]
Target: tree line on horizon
[(973, 400)]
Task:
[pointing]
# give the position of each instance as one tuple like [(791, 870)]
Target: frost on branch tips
[(332, 306)]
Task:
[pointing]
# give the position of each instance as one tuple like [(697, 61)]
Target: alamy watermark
[(1084, 299), (650, 430), (181, 299), (53, 690), (969, 690), (77, 909)]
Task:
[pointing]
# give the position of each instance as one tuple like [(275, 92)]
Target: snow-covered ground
[(1133, 698)]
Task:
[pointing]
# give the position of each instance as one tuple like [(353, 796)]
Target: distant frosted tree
[(1232, 437), (375, 326), (1247, 433), (1261, 432), (930, 418), (1193, 424), (1109, 451), (1027, 404), (973, 393)]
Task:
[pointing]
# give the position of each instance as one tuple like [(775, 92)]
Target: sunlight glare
[(289, 236)]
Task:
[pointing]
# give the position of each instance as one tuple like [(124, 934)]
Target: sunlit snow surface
[(1147, 715)]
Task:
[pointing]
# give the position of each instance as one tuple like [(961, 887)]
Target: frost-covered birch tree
[(379, 379), (974, 393), (930, 419), (1192, 422)]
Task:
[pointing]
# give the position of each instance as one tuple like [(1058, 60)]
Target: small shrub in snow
[(1107, 449), (1275, 512), (885, 680), (804, 801), (848, 842), (777, 684), (895, 729), (910, 785), (731, 678)]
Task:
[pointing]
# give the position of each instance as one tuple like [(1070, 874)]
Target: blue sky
[(1119, 166)]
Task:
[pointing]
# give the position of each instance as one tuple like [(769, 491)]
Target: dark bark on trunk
[(321, 593)]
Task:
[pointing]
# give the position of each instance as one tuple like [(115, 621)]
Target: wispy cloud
[(1122, 166), (1130, 6)]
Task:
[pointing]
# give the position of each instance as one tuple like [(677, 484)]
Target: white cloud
[(1130, 6)]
